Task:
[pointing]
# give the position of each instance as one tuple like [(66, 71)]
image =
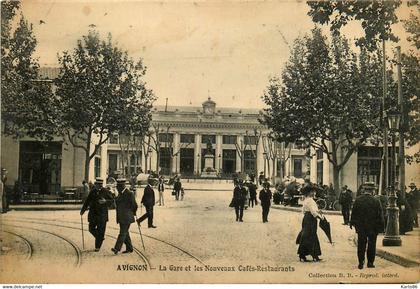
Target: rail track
[(26, 241)]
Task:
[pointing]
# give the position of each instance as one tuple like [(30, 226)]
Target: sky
[(226, 50)]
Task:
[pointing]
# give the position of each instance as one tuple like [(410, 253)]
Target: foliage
[(376, 18), (326, 98), (101, 92)]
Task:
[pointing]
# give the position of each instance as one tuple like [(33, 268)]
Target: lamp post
[(220, 163), (392, 237), (198, 164)]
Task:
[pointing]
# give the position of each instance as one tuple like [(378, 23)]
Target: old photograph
[(218, 142)]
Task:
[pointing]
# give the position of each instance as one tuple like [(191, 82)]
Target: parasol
[(325, 226)]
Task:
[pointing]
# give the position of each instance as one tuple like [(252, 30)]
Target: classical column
[(219, 141), (260, 157), (197, 154), (240, 140), (104, 161), (176, 158)]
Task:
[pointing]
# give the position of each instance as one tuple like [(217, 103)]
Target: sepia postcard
[(209, 142)]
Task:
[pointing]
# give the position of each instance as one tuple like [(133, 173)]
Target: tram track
[(32, 220), (27, 243), (78, 252), (137, 251)]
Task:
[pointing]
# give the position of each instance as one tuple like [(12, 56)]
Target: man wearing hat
[(148, 202), (367, 218), (126, 208), (265, 198), (413, 199), (239, 198), (345, 199), (97, 202)]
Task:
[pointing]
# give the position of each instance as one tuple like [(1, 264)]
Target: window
[(187, 138), (165, 160), (297, 168), (97, 167), (112, 163), (113, 139), (319, 155), (229, 139), (249, 162), (208, 137), (319, 166), (166, 137), (250, 139)]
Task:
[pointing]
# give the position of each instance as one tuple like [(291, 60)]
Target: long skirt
[(308, 239)]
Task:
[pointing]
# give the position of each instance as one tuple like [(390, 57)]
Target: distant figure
[(148, 202), (265, 198), (413, 198), (4, 205), (239, 198), (367, 219), (252, 188), (177, 188), (126, 208), (97, 202), (161, 189), (261, 178), (345, 199), (85, 190), (405, 215)]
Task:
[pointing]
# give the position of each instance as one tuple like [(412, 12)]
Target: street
[(196, 240)]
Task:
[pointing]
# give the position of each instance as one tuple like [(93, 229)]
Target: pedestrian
[(265, 199), (252, 188), (413, 199), (4, 205), (85, 190), (148, 202), (238, 201), (308, 239), (405, 214), (261, 178), (126, 208), (177, 188), (161, 188), (383, 201), (97, 202), (345, 199), (367, 219)]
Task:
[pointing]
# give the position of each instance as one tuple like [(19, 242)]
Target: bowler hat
[(412, 185), (99, 181), (121, 182)]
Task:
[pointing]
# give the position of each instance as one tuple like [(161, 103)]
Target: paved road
[(46, 246)]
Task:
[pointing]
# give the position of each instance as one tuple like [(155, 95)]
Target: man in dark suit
[(345, 199), (239, 197), (97, 201), (265, 198), (126, 208), (367, 218), (148, 202), (252, 194), (177, 188)]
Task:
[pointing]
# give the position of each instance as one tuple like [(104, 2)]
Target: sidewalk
[(406, 255)]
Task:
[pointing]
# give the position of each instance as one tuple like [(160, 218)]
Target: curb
[(299, 210), (49, 208), (396, 259)]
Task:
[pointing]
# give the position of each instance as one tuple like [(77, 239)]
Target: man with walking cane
[(148, 201), (126, 208), (97, 202)]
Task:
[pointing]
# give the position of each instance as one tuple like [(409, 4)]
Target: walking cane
[(83, 235), (141, 236)]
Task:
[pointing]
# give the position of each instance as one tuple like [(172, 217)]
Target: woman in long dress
[(308, 239)]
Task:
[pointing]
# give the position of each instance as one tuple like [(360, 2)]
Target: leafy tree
[(376, 18), (101, 92), (25, 100), (323, 100)]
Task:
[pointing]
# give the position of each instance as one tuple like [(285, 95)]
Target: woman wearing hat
[(308, 238)]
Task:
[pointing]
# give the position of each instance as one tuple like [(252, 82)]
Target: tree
[(376, 18), (321, 100), (26, 101), (101, 92)]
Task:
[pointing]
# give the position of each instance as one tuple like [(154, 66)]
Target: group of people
[(242, 193), (100, 199)]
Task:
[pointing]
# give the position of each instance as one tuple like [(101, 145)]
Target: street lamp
[(198, 164), (150, 159), (220, 163), (392, 237)]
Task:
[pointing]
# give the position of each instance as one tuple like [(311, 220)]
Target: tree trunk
[(336, 179), (87, 158)]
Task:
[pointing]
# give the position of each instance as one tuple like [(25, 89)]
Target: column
[(219, 141), (260, 157), (326, 170), (104, 161), (240, 140), (197, 154), (175, 147), (313, 163), (143, 160)]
